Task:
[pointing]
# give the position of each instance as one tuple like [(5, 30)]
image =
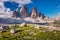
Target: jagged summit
[(34, 12), (24, 11), (16, 14), (41, 15), (35, 17)]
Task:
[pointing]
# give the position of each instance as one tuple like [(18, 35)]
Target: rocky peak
[(41, 15), (34, 12), (15, 13), (24, 11)]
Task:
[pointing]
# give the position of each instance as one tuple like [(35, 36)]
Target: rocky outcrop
[(41, 16), (16, 14), (34, 12), (23, 25), (24, 11)]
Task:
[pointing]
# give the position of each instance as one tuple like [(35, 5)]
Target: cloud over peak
[(6, 11), (19, 1)]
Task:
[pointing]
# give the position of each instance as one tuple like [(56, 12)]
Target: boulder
[(23, 25), (12, 31)]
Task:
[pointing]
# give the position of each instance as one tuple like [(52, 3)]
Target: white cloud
[(23, 1), (6, 11), (7, 14), (2, 8), (20, 2), (4, 0), (19, 5)]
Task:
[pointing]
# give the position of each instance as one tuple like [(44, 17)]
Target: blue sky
[(49, 8)]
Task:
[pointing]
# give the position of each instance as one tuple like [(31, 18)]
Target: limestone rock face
[(34, 12), (16, 14), (24, 11)]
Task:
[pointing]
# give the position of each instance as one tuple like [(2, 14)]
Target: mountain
[(34, 17), (24, 11), (34, 12), (16, 14)]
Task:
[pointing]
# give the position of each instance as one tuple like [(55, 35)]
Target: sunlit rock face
[(24, 11), (16, 14), (34, 12)]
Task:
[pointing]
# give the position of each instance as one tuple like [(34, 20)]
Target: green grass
[(30, 33)]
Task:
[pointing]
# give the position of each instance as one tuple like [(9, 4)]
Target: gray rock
[(24, 11), (23, 25)]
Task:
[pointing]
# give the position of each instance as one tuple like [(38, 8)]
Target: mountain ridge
[(23, 16)]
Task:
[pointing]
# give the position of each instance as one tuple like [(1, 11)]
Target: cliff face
[(16, 14), (35, 15), (24, 11), (34, 12)]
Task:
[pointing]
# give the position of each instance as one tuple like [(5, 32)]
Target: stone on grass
[(12, 31), (31, 33), (23, 25)]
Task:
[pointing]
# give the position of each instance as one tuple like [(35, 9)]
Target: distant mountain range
[(23, 16)]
